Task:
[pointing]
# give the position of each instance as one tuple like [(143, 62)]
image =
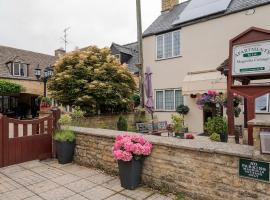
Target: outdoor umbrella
[(149, 105)]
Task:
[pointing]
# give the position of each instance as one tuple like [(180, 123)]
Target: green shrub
[(64, 136), (215, 137), (217, 125), (136, 100), (77, 113), (65, 119), (178, 123), (46, 100), (122, 124)]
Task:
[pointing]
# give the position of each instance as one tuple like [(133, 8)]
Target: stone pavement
[(48, 180)]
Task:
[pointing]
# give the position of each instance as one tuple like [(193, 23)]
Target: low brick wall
[(199, 169)]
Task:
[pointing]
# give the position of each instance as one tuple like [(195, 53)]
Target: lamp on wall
[(47, 74)]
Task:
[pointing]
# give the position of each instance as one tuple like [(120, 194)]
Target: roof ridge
[(2, 46)]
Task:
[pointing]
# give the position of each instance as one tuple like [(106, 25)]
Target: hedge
[(7, 87)]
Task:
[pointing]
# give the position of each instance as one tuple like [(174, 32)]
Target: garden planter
[(45, 109), (65, 151), (180, 135), (130, 173), (223, 137)]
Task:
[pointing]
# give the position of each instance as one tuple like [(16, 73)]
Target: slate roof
[(9, 54), (165, 21), (132, 50)]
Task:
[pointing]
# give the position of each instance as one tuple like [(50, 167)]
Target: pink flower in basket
[(126, 147)]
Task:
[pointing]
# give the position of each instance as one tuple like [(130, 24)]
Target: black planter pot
[(130, 173), (223, 137), (65, 151)]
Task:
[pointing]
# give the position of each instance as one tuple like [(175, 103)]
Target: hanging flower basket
[(130, 152)]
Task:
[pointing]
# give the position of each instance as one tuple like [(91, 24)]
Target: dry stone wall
[(202, 170)]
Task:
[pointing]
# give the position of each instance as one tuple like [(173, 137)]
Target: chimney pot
[(168, 4), (59, 52)]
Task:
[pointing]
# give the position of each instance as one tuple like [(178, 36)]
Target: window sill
[(165, 110), (262, 113), (162, 59)]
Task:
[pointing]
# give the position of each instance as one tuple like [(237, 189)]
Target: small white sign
[(251, 58)]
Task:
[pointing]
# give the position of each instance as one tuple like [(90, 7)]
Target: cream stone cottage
[(187, 43)]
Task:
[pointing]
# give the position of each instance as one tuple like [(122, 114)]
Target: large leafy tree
[(92, 79)]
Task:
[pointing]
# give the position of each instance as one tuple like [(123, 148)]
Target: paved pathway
[(48, 180)]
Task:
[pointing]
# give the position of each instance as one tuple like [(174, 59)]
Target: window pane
[(262, 104), (16, 69), (23, 70), (168, 45), (179, 99), (169, 99), (176, 43), (159, 100), (160, 47)]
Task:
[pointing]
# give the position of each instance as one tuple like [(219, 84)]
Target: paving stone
[(31, 164), (160, 197), (80, 171), (57, 194), (100, 178), (80, 186), (49, 172), (76, 197), (34, 198), (97, 193), (43, 186), (27, 178), (65, 179), (138, 194), (114, 185), (18, 194), (118, 197), (11, 169), (7, 184)]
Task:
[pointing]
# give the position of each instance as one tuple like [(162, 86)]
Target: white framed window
[(168, 45), (168, 99), (262, 104), (20, 69)]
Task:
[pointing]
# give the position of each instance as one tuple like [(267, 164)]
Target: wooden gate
[(25, 140)]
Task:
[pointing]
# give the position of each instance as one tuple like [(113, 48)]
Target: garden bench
[(147, 128)]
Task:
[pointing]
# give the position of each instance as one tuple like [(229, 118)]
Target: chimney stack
[(59, 52), (167, 5)]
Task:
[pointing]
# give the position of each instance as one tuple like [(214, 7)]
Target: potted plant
[(65, 145), (183, 110), (130, 151), (45, 104), (177, 122), (217, 125)]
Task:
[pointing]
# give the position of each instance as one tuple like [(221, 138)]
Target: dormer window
[(118, 56), (20, 69)]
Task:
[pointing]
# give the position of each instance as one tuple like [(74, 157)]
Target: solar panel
[(201, 8)]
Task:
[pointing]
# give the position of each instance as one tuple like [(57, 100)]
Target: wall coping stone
[(259, 122), (194, 145)]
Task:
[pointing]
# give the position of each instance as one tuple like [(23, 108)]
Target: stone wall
[(198, 168)]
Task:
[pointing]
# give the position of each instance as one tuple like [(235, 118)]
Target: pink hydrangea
[(126, 146)]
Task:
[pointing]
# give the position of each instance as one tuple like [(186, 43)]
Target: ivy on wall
[(7, 87)]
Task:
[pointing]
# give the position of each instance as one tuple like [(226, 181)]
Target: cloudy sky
[(38, 25)]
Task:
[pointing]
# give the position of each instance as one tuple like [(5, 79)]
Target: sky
[(38, 25)]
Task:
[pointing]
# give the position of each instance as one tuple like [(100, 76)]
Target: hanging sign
[(251, 58), (254, 170)]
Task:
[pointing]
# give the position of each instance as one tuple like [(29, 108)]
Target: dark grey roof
[(132, 50), (9, 54), (165, 21)]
